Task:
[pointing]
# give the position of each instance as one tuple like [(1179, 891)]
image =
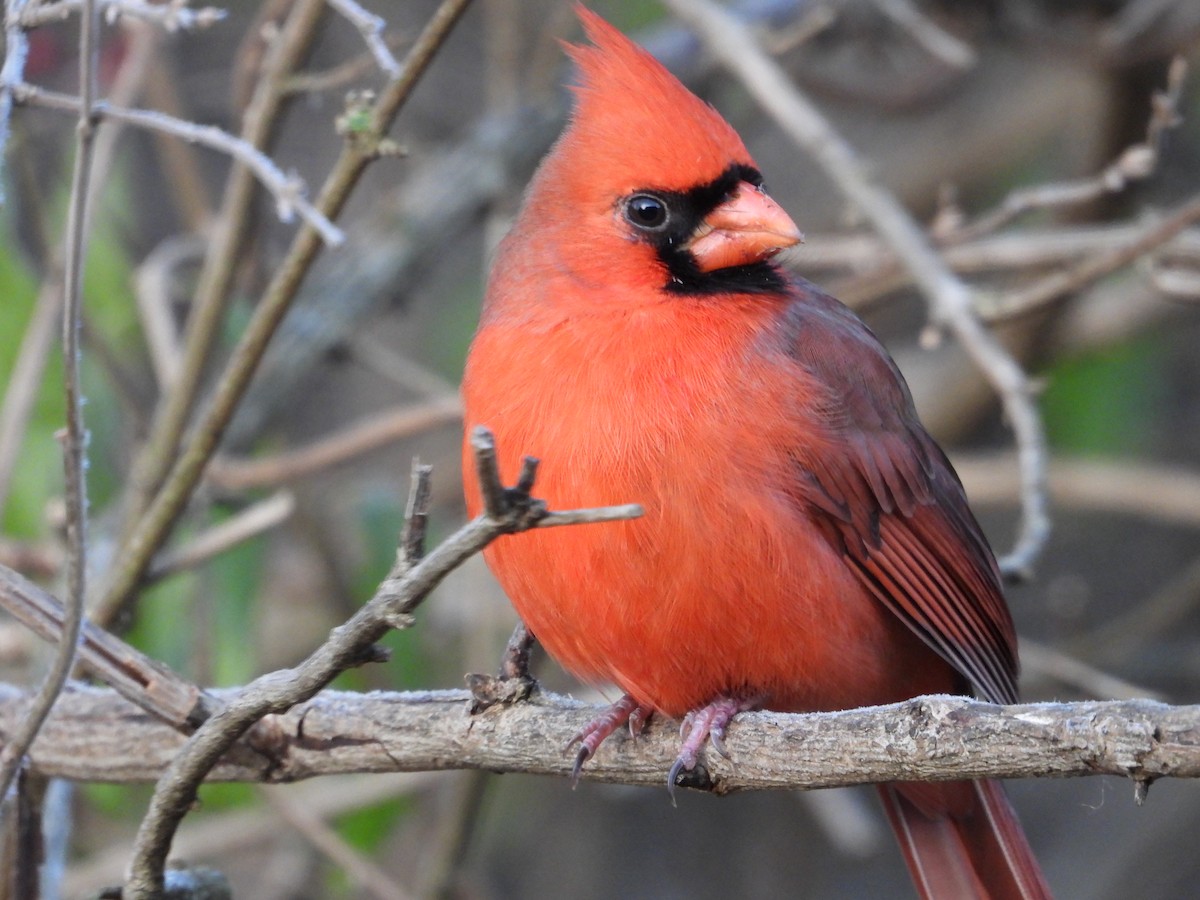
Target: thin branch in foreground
[(171, 16), (371, 27), (288, 190), (95, 735), (75, 438), (950, 300), (347, 646)]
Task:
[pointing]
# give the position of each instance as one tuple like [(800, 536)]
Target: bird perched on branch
[(805, 544)]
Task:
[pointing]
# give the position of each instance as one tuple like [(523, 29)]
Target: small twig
[(359, 870), (416, 516), (1020, 302), (152, 287), (339, 76), (950, 300), (515, 663), (75, 439), (514, 682), (371, 27), (936, 41), (491, 486), (288, 190), (375, 431), (1135, 163), (246, 524), (392, 606), (170, 16)]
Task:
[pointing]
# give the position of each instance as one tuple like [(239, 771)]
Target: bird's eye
[(646, 211)]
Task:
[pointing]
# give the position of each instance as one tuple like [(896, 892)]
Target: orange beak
[(747, 228)]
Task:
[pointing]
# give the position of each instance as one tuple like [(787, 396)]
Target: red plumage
[(805, 544)]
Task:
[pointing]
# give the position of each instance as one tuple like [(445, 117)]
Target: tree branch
[(94, 735), (158, 520), (371, 27), (145, 682), (74, 436), (288, 190), (351, 644), (174, 16)]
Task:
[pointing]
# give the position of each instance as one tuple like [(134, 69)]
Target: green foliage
[(163, 627), (1104, 402), (224, 796), (366, 827), (232, 587), (38, 474)]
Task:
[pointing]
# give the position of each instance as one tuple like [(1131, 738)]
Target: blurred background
[(1022, 94)]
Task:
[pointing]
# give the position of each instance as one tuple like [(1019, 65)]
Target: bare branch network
[(153, 725), (96, 735)]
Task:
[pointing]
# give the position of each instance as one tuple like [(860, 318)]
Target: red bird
[(805, 545)]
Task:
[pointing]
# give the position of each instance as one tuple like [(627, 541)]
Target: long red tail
[(962, 840)]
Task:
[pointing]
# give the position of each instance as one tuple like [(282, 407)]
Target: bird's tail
[(962, 840)]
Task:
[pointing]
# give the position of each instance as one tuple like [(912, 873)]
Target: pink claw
[(592, 735), (707, 723)]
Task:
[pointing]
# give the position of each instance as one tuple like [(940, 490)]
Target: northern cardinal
[(805, 544)]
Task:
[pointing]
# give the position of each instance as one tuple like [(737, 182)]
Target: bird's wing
[(886, 496)]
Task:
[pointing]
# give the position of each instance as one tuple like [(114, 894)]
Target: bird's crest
[(635, 125)]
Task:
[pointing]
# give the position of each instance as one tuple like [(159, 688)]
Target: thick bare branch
[(143, 681), (94, 735)]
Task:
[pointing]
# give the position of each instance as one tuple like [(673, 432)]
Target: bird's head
[(650, 185)]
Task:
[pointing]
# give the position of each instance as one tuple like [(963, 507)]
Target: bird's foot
[(592, 735), (707, 723)]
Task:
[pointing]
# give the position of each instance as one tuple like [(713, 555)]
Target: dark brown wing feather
[(887, 497)]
